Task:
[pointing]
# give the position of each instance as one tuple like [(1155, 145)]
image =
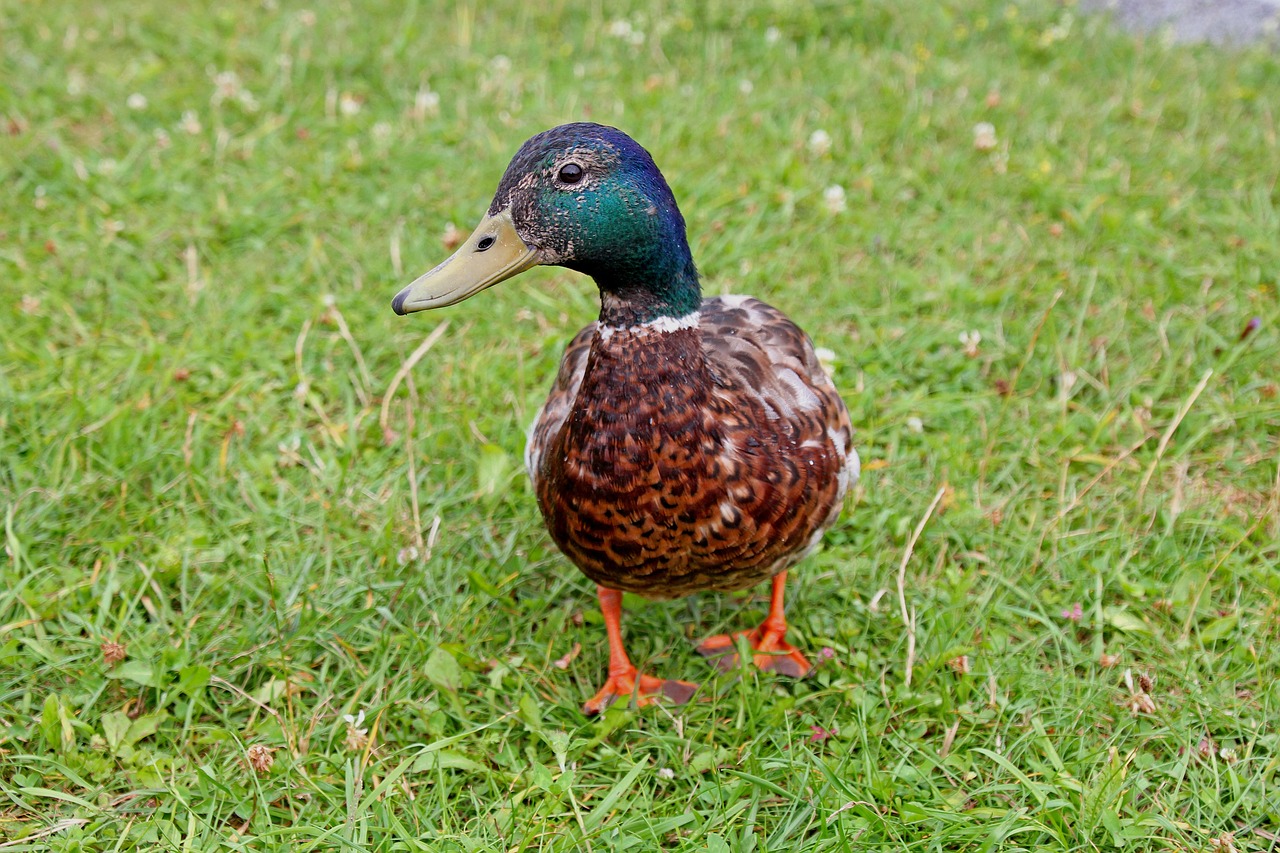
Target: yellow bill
[(494, 252)]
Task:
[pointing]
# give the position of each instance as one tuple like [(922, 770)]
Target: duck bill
[(494, 252)]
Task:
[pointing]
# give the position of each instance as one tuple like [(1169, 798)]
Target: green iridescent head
[(586, 197)]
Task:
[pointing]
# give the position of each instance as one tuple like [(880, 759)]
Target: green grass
[(198, 345)]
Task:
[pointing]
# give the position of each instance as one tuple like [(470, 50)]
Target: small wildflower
[(29, 304), (42, 198), (960, 665), (984, 136), (136, 101), (820, 734), (190, 123), (970, 341), (993, 99), (349, 104), (226, 85), (451, 236), (826, 653), (666, 773), (773, 35), (1074, 613), (819, 143), (182, 374), (746, 87), (407, 555), (357, 736), (163, 142), (425, 103), (1206, 749), (1139, 700), (833, 197), (915, 425), (1055, 230), (113, 653), (261, 757), (1107, 661), (622, 29)]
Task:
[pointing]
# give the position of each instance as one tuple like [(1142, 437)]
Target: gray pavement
[(1221, 22)]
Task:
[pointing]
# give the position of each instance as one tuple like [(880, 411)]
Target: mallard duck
[(687, 444)]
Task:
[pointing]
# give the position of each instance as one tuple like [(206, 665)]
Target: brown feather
[(706, 458)]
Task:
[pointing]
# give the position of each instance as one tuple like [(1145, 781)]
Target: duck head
[(582, 196)]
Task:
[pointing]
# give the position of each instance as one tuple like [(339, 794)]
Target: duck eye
[(570, 173), (485, 243)]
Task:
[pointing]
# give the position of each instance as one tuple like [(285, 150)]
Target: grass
[(204, 463)]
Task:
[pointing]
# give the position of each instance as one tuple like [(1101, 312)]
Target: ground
[(273, 579), (1224, 22)]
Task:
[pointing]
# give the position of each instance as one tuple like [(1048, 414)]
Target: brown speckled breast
[(706, 458)]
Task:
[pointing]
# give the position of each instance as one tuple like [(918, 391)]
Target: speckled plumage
[(708, 458), (687, 444)]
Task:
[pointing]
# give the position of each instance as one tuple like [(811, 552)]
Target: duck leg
[(624, 679), (772, 652)]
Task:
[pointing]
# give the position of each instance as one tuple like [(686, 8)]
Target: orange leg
[(772, 652), (624, 679)]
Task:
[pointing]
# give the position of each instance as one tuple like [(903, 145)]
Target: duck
[(688, 443)]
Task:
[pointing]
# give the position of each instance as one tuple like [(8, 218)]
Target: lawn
[(268, 585)]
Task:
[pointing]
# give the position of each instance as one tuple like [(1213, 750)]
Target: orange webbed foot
[(772, 652), (646, 689)]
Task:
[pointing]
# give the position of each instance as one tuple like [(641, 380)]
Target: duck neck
[(628, 302)]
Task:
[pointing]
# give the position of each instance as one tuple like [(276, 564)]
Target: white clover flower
[(136, 101), (425, 103), (357, 735), (915, 425), (819, 143), (833, 197), (984, 136), (772, 35), (349, 104), (746, 87), (970, 341), (226, 84), (190, 122), (666, 773)]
